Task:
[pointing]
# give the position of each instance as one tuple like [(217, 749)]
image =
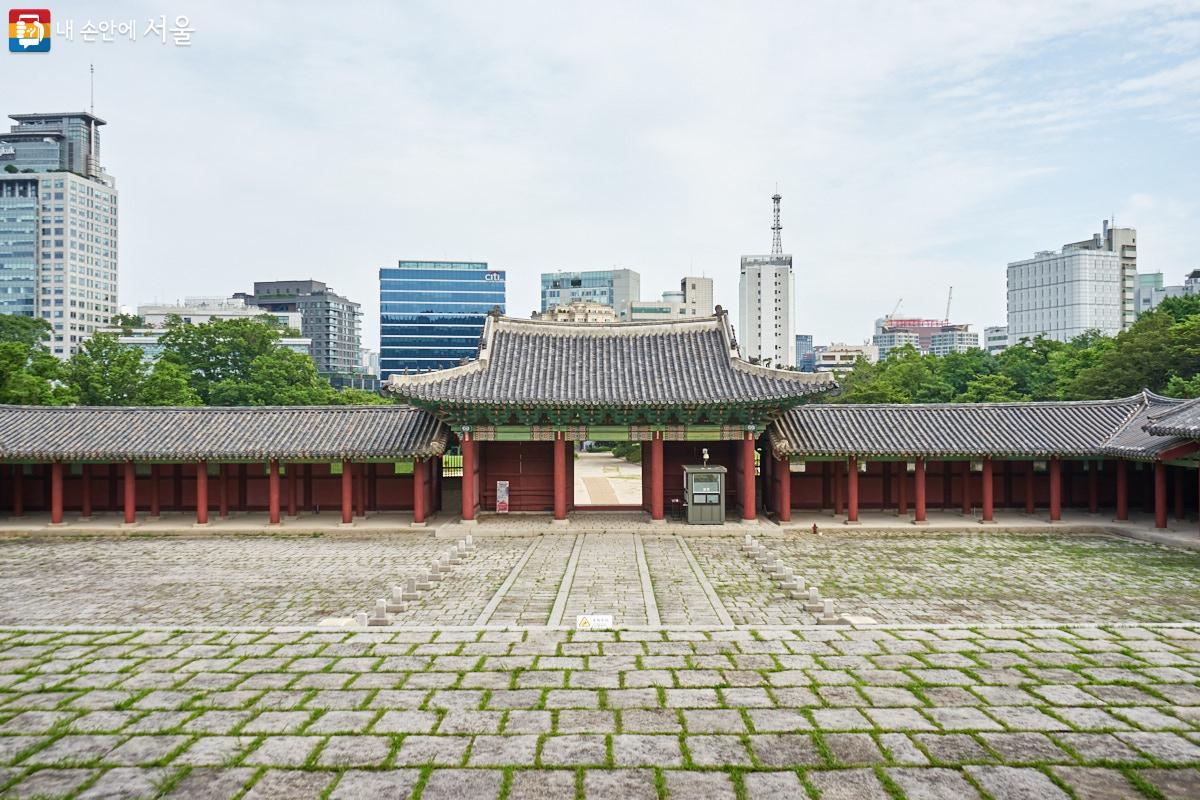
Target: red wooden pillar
[(56, 493), (469, 448), (852, 491), (202, 493), (18, 490), (1055, 489), (1122, 490), (1160, 494), (155, 510), (749, 510), (919, 491), (1029, 484), (988, 491), (784, 469), (1093, 486), (836, 468), (360, 489), (560, 477), (130, 494), (347, 492), (1180, 511), (293, 485), (656, 476), (309, 499), (273, 492), (85, 492), (902, 488), (223, 492), (420, 466), (966, 488)]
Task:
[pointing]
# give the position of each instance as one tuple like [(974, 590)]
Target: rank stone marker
[(397, 604)]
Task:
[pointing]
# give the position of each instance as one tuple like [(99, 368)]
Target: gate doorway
[(608, 475)]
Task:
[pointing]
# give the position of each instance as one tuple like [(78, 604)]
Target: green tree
[(105, 372), (358, 397), (1183, 387), (29, 374), (957, 370), (989, 389), (280, 377), (218, 352), (167, 385), (1027, 363), (1143, 357), (28, 331), (127, 322)]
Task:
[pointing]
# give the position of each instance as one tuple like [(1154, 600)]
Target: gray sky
[(915, 145)]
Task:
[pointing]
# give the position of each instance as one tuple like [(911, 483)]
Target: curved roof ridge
[(209, 408), (1116, 401)]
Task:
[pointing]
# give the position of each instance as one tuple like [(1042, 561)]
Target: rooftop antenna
[(92, 89), (776, 241)]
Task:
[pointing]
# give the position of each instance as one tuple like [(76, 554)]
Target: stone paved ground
[(678, 704), (989, 578), (1046, 713), (232, 580)]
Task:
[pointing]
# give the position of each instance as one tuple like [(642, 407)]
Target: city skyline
[(904, 155)]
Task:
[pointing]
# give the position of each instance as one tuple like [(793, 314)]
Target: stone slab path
[(921, 712), (642, 579)]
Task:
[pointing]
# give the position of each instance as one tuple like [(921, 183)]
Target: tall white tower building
[(765, 300), (58, 226)]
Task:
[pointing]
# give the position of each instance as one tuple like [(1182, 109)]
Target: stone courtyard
[(1003, 665)]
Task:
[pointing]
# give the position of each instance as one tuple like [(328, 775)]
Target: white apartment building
[(1063, 294), (765, 300)]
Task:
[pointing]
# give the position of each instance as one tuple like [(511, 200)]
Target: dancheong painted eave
[(93, 433), (1068, 429), (690, 363)]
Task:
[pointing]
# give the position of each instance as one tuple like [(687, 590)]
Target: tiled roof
[(1132, 440), (1182, 420), (537, 362), (959, 430), (297, 432)]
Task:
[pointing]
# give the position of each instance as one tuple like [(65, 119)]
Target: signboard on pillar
[(501, 497)]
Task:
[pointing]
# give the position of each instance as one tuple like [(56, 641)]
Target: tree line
[(234, 362), (1160, 352)]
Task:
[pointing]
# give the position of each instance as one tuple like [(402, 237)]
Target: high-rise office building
[(333, 322), (611, 287), (58, 226), (1123, 243), (1063, 294), (806, 359), (431, 313), (765, 299)]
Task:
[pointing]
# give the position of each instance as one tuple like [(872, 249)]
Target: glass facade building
[(18, 246), (58, 227), (618, 288), (431, 313)]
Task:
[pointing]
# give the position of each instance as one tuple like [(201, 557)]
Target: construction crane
[(896, 310), (949, 297)]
